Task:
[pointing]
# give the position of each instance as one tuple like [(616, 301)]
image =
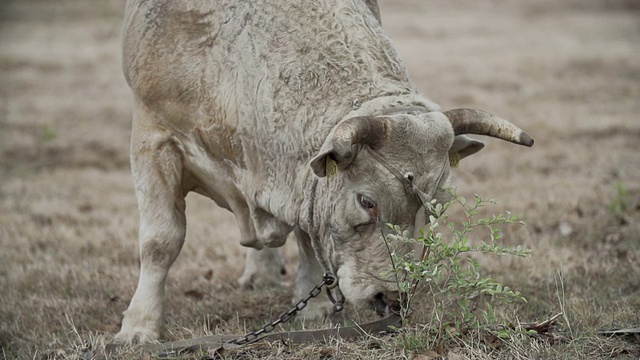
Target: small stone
[(565, 228)]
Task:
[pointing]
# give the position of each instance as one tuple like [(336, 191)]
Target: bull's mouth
[(385, 306)]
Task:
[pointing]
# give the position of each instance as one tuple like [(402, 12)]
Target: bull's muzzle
[(386, 304)]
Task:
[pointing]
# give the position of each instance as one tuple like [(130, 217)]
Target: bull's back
[(168, 46), (263, 82)]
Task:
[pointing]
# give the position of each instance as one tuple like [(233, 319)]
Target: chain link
[(328, 280)]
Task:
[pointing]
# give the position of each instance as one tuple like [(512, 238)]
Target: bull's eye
[(366, 202)]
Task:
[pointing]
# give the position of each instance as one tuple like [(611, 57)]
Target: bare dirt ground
[(566, 71)]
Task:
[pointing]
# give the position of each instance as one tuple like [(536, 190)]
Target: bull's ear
[(326, 164), (338, 150), (462, 147), (332, 159)]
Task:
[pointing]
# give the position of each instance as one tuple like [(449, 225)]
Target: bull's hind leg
[(157, 167)]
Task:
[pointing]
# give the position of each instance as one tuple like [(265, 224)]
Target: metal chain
[(327, 280)]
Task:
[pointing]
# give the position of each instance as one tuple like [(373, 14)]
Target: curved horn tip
[(526, 140)]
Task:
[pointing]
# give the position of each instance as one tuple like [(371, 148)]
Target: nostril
[(379, 305), (392, 300), (386, 303)]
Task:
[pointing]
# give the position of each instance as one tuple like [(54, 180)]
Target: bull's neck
[(314, 193)]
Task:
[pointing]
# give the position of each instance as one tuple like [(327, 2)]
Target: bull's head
[(364, 164)]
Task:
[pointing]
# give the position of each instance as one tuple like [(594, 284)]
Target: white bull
[(250, 103)]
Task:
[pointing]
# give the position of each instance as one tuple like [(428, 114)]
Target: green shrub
[(440, 269)]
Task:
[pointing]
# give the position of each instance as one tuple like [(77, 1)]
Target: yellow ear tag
[(331, 167), (454, 160)]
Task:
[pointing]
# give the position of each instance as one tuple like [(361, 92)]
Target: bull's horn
[(369, 130), (471, 121)]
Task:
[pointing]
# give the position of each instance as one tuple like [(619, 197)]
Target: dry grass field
[(566, 71)]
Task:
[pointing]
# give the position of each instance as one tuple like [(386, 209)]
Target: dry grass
[(568, 72)]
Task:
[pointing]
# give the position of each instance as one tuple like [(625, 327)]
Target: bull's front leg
[(262, 268), (309, 275), (157, 170)]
